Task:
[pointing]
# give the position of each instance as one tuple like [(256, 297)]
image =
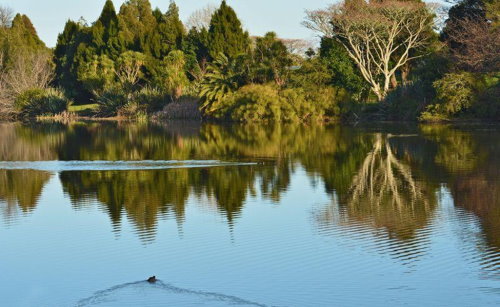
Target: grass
[(83, 110)]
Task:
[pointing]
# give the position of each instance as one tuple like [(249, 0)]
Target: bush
[(466, 94), (255, 103), (152, 99), (455, 92), (111, 101), (116, 101), (488, 100), (313, 104), (407, 101), (41, 101), (269, 103)]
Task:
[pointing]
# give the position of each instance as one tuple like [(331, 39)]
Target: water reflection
[(382, 181), (20, 191)]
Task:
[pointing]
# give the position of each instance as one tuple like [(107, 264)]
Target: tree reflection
[(370, 176), (30, 143), (20, 189), (383, 194)]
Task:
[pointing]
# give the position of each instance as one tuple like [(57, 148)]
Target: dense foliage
[(376, 60)]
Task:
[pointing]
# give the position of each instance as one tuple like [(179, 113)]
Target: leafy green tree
[(455, 92), (98, 74), (168, 34), (197, 56), (174, 75), (64, 55), (342, 69), (24, 31), (129, 69), (272, 59), (226, 34), (224, 77)]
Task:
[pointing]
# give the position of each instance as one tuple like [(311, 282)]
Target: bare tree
[(379, 36), (6, 107), (201, 18), (6, 14), (477, 44), (29, 71), (297, 46)]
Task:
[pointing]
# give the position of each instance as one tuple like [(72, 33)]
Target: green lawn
[(84, 109)]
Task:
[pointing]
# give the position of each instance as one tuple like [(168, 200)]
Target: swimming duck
[(152, 279)]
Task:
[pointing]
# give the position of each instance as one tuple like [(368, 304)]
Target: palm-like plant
[(223, 78)]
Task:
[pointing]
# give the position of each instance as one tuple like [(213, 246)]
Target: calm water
[(249, 215)]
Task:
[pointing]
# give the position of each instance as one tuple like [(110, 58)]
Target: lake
[(255, 215)]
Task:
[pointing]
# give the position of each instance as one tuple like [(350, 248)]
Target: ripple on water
[(59, 166), (142, 293)]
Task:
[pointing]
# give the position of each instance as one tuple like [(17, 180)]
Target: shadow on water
[(169, 295)]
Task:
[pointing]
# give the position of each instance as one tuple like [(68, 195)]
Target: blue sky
[(258, 16)]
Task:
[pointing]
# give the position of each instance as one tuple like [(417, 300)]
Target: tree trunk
[(394, 81), (378, 91)]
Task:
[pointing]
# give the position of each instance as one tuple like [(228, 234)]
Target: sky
[(258, 16)]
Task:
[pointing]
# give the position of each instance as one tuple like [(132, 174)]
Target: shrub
[(41, 101), (268, 103), (117, 101), (455, 92), (488, 102), (464, 93), (255, 103), (151, 98), (111, 101)]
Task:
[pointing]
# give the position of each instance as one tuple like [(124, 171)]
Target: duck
[(152, 279)]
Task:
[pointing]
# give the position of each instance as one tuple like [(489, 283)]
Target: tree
[(272, 59), (98, 74), (106, 30), (476, 45), (128, 68), (168, 34), (195, 48), (472, 34), (201, 18), (6, 14), (297, 46), (341, 67), (21, 38), (174, 78), (174, 31), (223, 78), (136, 22), (380, 37), (226, 34)]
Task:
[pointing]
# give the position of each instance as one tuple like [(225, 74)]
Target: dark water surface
[(380, 215)]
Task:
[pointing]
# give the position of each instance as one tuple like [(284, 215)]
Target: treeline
[(377, 59)]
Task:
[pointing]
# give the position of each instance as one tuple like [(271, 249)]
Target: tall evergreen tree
[(136, 22), (24, 33), (64, 55), (168, 34), (20, 39), (176, 31), (106, 32), (226, 34)]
